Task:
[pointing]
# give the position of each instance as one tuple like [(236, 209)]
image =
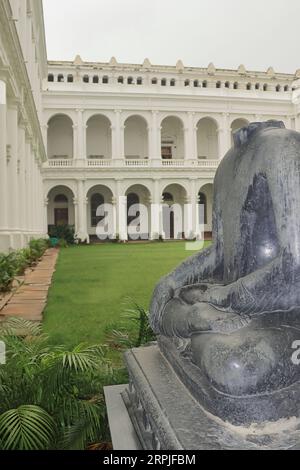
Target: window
[(235, 85), (86, 79), (163, 82), (61, 198), (202, 202), (186, 83), (154, 81), (248, 87), (96, 201), (139, 81), (257, 86), (227, 85), (196, 83), (50, 77), (172, 82), (95, 79), (60, 78), (286, 88), (218, 85), (120, 80), (265, 87), (105, 79), (70, 79), (130, 81), (278, 88), (204, 84)]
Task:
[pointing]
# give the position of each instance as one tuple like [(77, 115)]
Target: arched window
[(163, 82), (249, 86), (168, 197), (187, 83), (96, 201), (227, 85), (105, 79), (50, 77), (172, 82), (204, 84), (86, 79), (139, 81), (196, 83), (265, 87), (61, 198), (95, 79), (278, 88), (154, 81), (60, 78), (235, 85), (70, 78), (286, 88), (202, 201), (257, 86), (130, 80), (218, 85), (120, 79)]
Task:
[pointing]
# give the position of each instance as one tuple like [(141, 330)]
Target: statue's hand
[(206, 318)]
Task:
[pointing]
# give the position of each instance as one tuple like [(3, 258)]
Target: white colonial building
[(78, 134)]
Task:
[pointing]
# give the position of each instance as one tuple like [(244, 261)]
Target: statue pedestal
[(166, 416)]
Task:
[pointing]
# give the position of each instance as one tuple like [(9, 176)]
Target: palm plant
[(50, 397)]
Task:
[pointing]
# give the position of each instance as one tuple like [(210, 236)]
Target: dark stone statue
[(228, 318)]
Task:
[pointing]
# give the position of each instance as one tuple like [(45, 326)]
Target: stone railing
[(131, 163)]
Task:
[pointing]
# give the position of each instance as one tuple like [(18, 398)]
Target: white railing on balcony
[(130, 163), (136, 162), (99, 162), (61, 163)]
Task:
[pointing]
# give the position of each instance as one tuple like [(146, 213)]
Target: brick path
[(29, 299)]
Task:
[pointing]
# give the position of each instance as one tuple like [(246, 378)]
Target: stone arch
[(60, 137), (60, 211), (174, 196), (138, 194), (98, 137), (136, 142), (97, 195), (172, 138), (207, 139)]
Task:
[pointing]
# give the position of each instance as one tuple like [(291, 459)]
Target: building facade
[(119, 134), (23, 66)]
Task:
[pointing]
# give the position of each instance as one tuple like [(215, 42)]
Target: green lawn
[(92, 284)]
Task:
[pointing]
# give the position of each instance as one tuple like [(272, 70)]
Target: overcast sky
[(256, 33)]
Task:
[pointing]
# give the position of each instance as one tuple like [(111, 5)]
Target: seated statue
[(229, 316)]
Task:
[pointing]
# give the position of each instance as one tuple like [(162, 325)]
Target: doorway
[(61, 216)]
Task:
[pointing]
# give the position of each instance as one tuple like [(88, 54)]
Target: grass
[(92, 286)]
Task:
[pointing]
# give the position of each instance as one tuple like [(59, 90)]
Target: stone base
[(166, 416)]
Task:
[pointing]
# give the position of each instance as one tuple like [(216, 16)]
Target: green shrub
[(62, 243), (37, 248), (8, 271), (64, 232)]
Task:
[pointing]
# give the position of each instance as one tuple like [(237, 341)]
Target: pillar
[(121, 212), (13, 193), (81, 234), (3, 168), (155, 211)]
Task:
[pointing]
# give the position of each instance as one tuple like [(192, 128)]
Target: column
[(191, 138), (3, 162), (115, 135), (13, 201), (82, 234), (121, 212), (22, 179), (80, 130), (224, 136), (155, 211), (155, 146)]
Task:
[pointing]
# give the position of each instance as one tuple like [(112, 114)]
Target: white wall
[(136, 137), (60, 136), (98, 137), (207, 139)]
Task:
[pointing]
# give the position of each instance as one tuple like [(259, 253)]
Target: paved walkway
[(29, 299)]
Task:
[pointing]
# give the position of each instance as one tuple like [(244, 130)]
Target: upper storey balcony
[(152, 140)]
